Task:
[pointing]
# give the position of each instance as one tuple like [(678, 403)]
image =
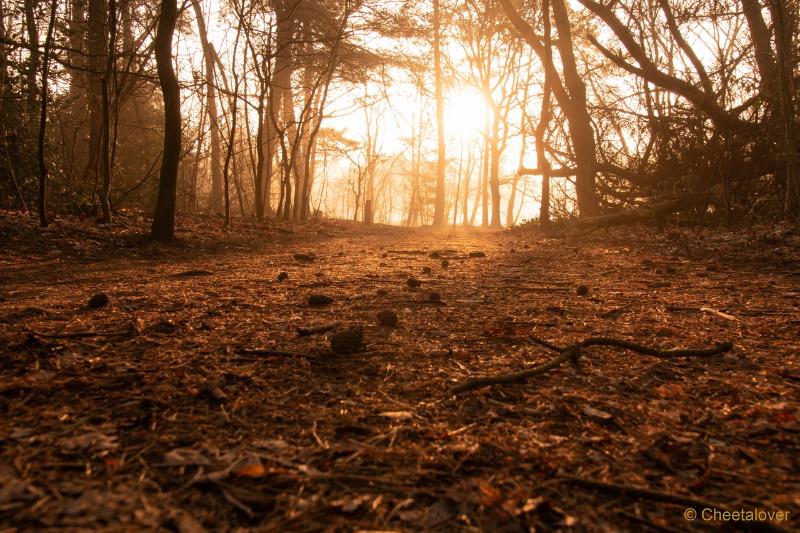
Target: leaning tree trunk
[(163, 228)]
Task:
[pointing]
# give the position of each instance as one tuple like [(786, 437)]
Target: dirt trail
[(169, 419)]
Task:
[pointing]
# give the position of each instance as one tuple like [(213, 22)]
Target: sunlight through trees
[(477, 112)]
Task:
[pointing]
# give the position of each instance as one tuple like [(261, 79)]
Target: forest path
[(174, 423)]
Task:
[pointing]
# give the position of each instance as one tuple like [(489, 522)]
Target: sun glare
[(465, 114)]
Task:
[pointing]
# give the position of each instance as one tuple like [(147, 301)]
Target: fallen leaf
[(185, 457), (489, 495), (252, 470), (398, 415)]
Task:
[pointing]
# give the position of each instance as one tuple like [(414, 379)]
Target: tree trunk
[(512, 200), (439, 215), (580, 125), (782, 16), (765, 58), (163, 228), (571, 99), (95, 40), (216, 206), (105, 138), (544, 119), (494, 177), (467, 178), (75, 139), (484, 191), (303, 150), (262, 188), (33, 60), (282, 102), (458, 183), (3, 55), (43, 117)]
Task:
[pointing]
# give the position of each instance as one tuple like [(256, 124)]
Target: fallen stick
[(305, 331), (407, 252), (708, 310), (720, 314), (263, 351), (80, 334), (421, 302), (721, 347), (616, 312), (514, 377), (574, 353), (640, 492)]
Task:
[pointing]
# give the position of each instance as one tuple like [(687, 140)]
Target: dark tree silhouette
[(163, 228)]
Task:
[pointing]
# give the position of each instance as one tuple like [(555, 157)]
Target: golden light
[(465, 114)]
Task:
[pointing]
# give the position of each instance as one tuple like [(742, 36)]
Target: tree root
[(574, 352)]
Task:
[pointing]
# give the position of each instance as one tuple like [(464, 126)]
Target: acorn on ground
[(98, 300), (283, 276), (582, 290), (387, 318), (305, 258), (319, 300), (413, 282), (350, 340)]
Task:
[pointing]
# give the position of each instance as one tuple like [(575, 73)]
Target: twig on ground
[(514, 377), (305, 331), (720, 314), (574, 352), (80, 334), (440, 303), (709, 310), (263, 351)]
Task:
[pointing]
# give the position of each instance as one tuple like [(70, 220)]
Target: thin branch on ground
[(80, 334), (574, 353)]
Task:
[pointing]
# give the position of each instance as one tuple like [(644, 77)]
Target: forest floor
[(190, 401)]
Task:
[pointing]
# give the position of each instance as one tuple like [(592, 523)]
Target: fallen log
[(654, 213)]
